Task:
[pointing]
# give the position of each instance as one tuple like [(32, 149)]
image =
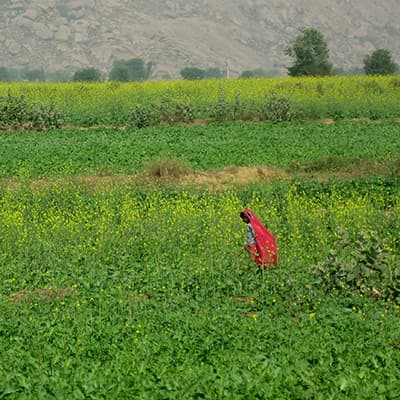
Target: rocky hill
[(67, 35)]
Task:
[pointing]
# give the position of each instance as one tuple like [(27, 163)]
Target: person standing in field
[(260, 243)]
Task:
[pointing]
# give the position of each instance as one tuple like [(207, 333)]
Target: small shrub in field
[(142, 116), (167, 168), (13, 111), (277, 109), (173, 111), (44, 116), (17, 112), (220, 111), (364, 264)]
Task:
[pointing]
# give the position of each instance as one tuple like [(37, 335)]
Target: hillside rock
[(59, 35)]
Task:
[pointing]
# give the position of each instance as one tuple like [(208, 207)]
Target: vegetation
[(309, 147), (134, 69), (120, 276), (140, 104), (87, 75), (380, 62), (195, 73), (310, 53)]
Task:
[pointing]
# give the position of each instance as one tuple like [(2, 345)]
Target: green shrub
[(16, 112), (365, 264), (276, 109), (141, 116)]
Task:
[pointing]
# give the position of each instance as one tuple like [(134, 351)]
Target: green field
[(133, 289)]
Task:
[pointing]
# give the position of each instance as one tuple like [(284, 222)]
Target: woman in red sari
[(260, 243)]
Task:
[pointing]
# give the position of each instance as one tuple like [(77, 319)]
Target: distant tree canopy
[(380, 62), (89, 74), (134, 69), (194, 73), (4, 74), (253, 73), (310, 53), (33, 75)]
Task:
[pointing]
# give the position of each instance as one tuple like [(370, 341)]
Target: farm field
[(120, 275)]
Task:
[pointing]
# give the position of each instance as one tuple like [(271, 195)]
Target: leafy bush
[(365, 264), (173, 111), (141, 116), (277, 109), (16, 112), (220, 111)]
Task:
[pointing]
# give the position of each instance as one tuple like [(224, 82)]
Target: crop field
[(120, 271), (114, 103)]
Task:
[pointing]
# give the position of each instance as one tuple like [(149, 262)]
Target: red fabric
[(264, 252)]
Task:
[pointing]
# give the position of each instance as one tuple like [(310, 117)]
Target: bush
[(277, 109), (364, 264), (16, 112), (141, 117)]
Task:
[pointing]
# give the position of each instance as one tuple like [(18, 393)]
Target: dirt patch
[(139, 297), (327, 121), (42, 295), (243, 299), (240, 176)]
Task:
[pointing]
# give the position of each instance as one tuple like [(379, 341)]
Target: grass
[(131, 290), (114, 151)]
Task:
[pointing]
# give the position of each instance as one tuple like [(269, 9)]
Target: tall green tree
[(87, 75), (380, 62), (4, 74), (192, 73), (311, 54), (134, 69)]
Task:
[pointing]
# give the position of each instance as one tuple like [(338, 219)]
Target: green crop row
[(203, 147), (135, 104), (132, 293)]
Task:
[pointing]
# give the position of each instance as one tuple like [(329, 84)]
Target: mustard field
[(123, 281)]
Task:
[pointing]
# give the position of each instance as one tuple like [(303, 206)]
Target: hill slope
[(244, 34)]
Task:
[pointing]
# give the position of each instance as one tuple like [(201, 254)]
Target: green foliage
[(221, 110), (134, 69), (205, 146), (142, 286), (365, 263), (4, 74), (277, 109), (311, 54), (89, 74), (17, 113), (380, 62), (33, 75), (253, 73), (174, 111), (142, 116), (192, 73)]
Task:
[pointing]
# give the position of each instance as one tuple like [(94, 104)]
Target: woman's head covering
[(265, 240)]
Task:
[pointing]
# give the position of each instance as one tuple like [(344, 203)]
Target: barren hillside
[(243, 34)]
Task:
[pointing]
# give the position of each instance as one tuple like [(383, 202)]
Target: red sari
[(264, 251)]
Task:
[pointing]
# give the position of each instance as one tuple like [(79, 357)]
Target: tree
[(213, 73), (134, 69), (89, 74), (4, 75), (34, 75), (253, 73), (192, 73), (380, 62), (311, 54)]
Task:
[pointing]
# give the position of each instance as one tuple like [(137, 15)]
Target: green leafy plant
[(364, 263), (141, 116), (16, 112), (277, 109)]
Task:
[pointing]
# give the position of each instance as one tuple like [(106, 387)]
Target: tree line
[(309, 52)]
